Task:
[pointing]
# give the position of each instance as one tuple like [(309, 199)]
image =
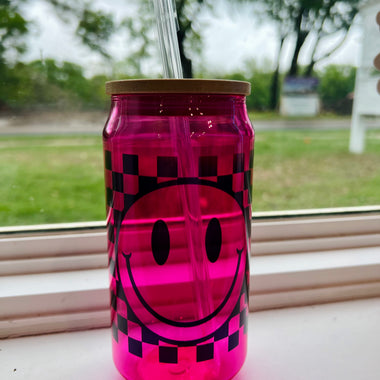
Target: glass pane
[(56, 56)]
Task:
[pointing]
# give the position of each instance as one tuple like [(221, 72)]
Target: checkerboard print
[(130, 177), (140, 338), (140, 175)]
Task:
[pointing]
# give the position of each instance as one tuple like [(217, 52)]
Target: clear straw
[(167, 24)]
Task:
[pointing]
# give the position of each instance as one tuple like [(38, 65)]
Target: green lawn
[(313, 169), (56, 179), (51, 180), (274, 115)]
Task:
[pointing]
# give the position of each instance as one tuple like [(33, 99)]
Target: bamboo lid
[(178, 86)]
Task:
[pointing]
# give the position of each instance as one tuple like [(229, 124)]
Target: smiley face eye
[(213, 240), (160, 242)]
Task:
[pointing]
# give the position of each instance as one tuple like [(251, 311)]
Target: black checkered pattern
[(140, 338), (138, 176), (127, 184)]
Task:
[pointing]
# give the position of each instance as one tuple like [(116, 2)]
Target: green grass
[(51, 180), (274, 115), (60, 178), (313, 169)]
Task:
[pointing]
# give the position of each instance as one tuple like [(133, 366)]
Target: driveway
[(93, 123)]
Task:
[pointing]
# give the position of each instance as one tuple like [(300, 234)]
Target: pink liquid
[(179, 234)]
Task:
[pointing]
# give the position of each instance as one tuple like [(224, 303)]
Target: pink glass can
[(178, 159)]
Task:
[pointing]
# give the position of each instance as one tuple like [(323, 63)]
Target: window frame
[(54, 278)]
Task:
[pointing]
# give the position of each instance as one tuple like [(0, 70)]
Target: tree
[(336, 83), (309, 22), (13, 27), (189, 38), (94, 28)]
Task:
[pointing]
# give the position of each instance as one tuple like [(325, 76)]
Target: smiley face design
[(182, 282), (179, 271)]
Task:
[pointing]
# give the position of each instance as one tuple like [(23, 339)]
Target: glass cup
[(178, 171)]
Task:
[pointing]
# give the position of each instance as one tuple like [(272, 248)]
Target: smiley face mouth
[(177, 323)]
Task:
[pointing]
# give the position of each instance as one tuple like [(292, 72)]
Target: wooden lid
[(178, 86)]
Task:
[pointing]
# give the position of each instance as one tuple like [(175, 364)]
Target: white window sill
[(55, 279), (332, 341)]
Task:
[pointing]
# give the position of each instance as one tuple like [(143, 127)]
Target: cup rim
[(178, 86)]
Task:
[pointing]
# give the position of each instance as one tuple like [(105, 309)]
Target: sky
[(232, 35)]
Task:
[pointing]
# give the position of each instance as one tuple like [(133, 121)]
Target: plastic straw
[(167, 26), (180, 131)]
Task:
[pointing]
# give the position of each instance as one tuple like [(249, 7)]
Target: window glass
[(55, 57)]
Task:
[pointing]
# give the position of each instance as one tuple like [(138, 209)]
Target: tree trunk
[(301, 36), (274, 80), (274, 90), (187, 66), (310, 68)]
